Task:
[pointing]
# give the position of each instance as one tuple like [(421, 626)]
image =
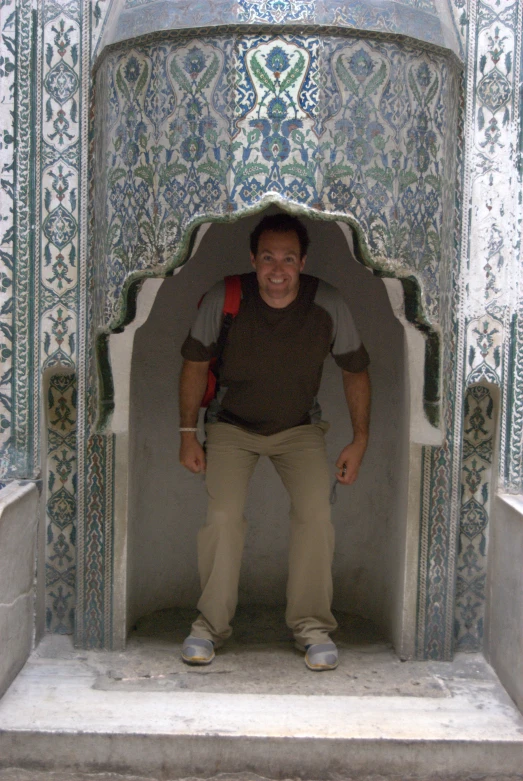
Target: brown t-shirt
[(273, 359)]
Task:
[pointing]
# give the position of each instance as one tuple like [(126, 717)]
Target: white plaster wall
[(167, 504), (504, 615), (18, 525)]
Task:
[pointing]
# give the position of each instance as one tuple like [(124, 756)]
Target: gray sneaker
[(320, 656), (197, 651)]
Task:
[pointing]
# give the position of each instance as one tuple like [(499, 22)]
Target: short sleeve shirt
[(273, 360)]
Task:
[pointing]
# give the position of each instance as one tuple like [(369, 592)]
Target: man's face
[(278, 265)]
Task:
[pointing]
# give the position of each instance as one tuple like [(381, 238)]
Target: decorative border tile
[(101, 11), (59, 177), (61, 504), (7, 133), (22, 456), (476, 489)]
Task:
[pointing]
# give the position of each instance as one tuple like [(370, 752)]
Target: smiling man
[(266, 404)]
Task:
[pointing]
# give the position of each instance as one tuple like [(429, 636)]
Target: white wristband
[(187, 429)]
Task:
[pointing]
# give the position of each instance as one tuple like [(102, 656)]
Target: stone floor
[(16, 774), (260, 658), (256, 709)]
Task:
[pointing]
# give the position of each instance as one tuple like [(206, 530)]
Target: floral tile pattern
[(7, 68), (476, 479), (174, 151), (321, 121), (61, 504), (59, 182), (315, 121)]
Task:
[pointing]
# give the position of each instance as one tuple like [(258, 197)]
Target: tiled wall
[(203, 128), (479, 434), (7, 97), (45, 164)]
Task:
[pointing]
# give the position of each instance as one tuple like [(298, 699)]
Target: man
[(266, 405)]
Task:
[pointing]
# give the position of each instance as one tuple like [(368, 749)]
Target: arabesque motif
[(60, 576), (476, 479), (225, 128)]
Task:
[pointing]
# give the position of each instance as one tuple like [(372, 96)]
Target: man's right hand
[(192, 455)]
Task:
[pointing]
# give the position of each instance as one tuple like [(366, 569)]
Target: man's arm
[(357, 393), (193, 382)]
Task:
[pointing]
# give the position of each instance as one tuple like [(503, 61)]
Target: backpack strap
[(233, 295), (231, 306)]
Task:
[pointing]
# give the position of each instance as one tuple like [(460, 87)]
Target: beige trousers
[(298, 455)]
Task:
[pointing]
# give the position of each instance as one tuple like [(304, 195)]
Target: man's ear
[(253, 260), (302, 262)]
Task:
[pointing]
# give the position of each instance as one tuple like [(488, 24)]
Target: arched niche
[(394, 187), (377, 522)]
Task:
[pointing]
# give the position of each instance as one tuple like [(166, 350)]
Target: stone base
[(257, 709), (18, 524)]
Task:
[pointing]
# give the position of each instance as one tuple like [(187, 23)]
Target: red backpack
[(231, 305)]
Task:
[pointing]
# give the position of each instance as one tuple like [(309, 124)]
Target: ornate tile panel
[(61, 504), (23, 459), (93, 627), (494, 187), (345, 126), (61, 46), (511, 446), (7, 108), (476, 481)]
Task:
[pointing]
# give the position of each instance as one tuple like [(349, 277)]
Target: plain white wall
[(167, 504)]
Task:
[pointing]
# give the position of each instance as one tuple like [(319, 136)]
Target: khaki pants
[(298, 455)]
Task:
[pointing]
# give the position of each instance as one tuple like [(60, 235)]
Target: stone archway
[(378, 576), (178, 142)]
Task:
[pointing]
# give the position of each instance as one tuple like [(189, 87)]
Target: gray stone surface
[(18, 525), (505, 594), (256, 709), (17, 774)]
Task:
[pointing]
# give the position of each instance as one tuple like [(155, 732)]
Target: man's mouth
[(276, 281)]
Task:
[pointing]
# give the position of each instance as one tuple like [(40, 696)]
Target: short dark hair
[(280, 223)]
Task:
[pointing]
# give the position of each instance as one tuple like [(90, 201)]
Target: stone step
[(142, 712), (19, 774)]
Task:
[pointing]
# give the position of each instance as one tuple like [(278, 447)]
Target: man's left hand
[(349, 462)]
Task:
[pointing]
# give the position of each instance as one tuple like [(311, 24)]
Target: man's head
[(278, 252), (281, 223)]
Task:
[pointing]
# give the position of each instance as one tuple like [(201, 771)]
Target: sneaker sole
[(198, 660), (318, 668)]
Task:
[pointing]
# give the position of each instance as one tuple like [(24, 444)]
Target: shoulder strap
[(231, 305), (233, 295)]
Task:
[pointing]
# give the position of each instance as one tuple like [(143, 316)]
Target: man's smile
[(278, 264)]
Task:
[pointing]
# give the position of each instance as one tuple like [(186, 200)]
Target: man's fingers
[(192, 457), (194, 466)]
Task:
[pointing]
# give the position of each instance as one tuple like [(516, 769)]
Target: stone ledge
[(18, 527)]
